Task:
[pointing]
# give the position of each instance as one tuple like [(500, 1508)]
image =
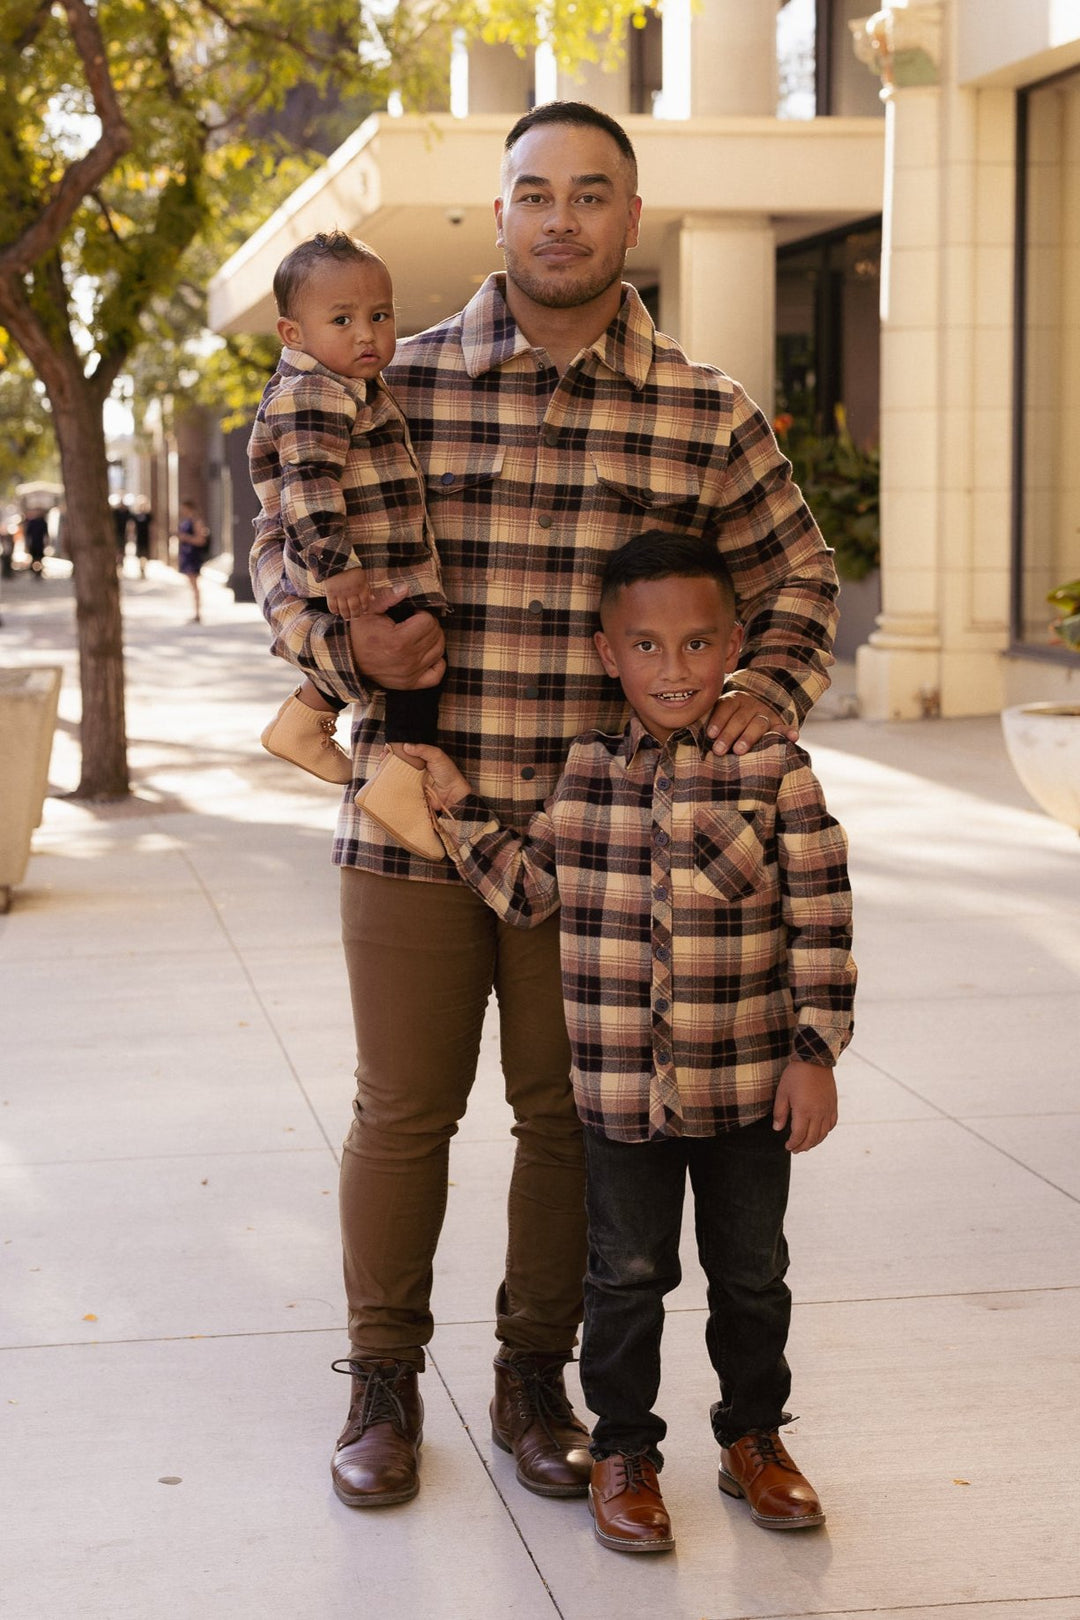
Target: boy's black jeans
[(634, 1199)]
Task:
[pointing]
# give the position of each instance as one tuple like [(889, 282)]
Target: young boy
[(333, 466), (708, 986)]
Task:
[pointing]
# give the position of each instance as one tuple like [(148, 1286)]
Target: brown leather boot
[(375, 1463), (627, 1508), (531, 1417), (759, 1467)]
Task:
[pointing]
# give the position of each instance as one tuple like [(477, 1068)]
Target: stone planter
[(28, 700), (1043, 742)]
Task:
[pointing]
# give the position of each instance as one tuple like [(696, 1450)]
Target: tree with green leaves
[(130, 131)]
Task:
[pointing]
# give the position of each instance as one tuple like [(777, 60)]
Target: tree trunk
[(90, 538)]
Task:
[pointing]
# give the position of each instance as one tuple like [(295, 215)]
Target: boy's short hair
[(576, 112), (656, 554), (295, 268)]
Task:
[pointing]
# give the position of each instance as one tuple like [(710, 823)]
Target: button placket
[(665, 1099)]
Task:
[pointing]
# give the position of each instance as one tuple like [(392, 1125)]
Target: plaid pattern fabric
[(705, 923), (333, 467), (532, 480)]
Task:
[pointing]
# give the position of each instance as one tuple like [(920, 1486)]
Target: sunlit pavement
[(176, 1081)]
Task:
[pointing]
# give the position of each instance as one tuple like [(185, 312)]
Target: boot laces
[(541, 1396), (379, 1400)]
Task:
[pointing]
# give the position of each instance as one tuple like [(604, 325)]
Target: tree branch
[(85, 173)]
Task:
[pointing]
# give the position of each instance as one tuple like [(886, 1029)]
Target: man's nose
[(561, 221)]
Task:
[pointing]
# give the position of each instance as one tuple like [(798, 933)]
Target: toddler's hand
[(348, 594), (448, 786)]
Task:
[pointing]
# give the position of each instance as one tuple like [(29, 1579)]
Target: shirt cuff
[(820, 1044)]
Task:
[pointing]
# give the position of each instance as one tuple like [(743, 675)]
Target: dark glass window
[(1046, 379)]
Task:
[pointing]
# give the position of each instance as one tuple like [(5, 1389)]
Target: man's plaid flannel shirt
[(705, 923), (532, 479)]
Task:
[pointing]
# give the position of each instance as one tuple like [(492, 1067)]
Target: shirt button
[(532, 691), (527, 773), (663, 1056), (662, 1004), (545, 520), (662, 953), (550, 437), (447, 478), (660, 837), (663, 782), (535, 608)]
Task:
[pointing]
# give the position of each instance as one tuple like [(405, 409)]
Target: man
[(552, 422)]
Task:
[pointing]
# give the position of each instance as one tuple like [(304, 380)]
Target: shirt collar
[(490, 335), (638, 736), (358, 387)]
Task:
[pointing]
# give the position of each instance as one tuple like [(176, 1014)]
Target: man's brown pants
[(423, 959)]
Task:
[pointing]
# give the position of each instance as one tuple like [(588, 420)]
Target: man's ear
[(603, 647), (498, 221), (289, 333)]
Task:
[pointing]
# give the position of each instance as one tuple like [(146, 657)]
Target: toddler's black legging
[(411, 717)]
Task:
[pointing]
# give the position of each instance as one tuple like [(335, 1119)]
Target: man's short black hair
[(656, 554), (575, 112), (295, 268)]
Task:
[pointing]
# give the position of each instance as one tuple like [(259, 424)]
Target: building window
[(818, 74), (1046, 472), (827, 330)]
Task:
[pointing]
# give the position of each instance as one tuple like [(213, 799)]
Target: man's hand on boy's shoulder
[(740, 720), (805, 1100)]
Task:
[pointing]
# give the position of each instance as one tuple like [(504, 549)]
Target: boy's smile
[(670, 642)]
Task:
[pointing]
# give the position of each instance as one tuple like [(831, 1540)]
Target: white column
[(499, 81), (945, 379), (718, 296), (733, 60)]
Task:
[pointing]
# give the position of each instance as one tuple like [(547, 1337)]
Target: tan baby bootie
[(395, 798), (305, 737)]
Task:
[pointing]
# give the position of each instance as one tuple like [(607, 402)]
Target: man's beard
[(569, 293)]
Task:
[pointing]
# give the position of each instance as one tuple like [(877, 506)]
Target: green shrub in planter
[(841, 484)]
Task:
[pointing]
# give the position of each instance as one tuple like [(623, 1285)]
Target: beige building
[(763, 251)]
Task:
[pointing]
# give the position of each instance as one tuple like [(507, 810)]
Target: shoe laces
[(379, 1400), (767, 1446), (541, 1394), (634, 1472)]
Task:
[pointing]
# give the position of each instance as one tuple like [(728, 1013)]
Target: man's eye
[(697, 644), (644, 646)]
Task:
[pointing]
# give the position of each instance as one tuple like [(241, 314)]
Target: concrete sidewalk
[(176, 1081)]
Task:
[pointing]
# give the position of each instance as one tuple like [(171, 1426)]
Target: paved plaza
[(175, 1082)]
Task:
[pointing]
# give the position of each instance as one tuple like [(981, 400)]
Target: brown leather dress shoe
[(758, 1467), (375, 1463), (531, 1417), (627, 1508)]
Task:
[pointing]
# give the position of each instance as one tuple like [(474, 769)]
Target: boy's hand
[(401, 657), (448, 785), (740, 719), (805, 1097), (348, 594)]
